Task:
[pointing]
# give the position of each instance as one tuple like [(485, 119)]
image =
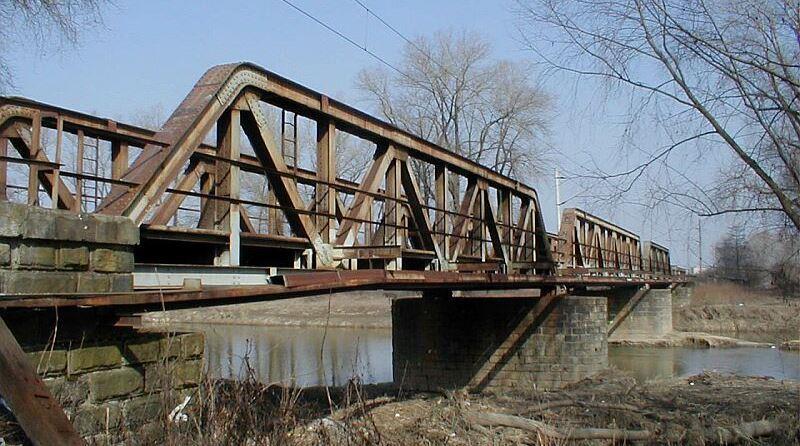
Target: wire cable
[(343, 36)]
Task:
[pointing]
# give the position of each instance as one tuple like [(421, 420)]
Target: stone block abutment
[(56, 251), (111, 381)]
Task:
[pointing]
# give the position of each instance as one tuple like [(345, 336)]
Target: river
[(316, 356)]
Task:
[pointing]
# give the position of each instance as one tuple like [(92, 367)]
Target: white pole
[(699, 247), (558, 200)]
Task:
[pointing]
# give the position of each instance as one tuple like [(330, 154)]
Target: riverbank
[(729, 308), (791, 345), (689, 339), (353, 309)]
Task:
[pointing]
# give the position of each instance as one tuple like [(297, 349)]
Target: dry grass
[(728, 293), (249, 413), (728, 308)]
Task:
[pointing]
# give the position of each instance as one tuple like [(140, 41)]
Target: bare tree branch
[(722, 67)]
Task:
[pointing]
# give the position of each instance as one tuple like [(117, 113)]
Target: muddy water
[(315, 356)]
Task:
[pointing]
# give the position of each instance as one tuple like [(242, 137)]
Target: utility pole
[(699, 246), (558, 199)]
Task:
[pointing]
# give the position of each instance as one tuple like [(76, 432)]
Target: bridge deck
[(311, 283)]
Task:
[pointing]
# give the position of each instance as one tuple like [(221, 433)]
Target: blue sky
[(149, 54)]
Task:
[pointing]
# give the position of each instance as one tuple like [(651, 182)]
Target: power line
[(394, 30), (410, 42), (347, 39)]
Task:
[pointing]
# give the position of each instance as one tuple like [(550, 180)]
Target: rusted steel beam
[(137, 188), (363, 199), (183, 132), (392, 212), (34, 152), (119, 159), (258, 132), (592, 242), (14, 109), (325, 195), (466, 216), (311, 283), (499, 249), (419, 214), (440, 225), (521, 230), (543, 250), (170, 206), (39, 414), (381, 252), (77, 204), (228, 185), (655, 258), (41, 166), (246, 223), (3, 167), (55, 189), (220, 86), (478, 233)]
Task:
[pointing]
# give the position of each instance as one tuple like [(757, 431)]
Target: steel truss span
[(249, 171)]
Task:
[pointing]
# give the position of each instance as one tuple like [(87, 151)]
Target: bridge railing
[(678, 271), (588, 243), (245, 173), (655, 258)]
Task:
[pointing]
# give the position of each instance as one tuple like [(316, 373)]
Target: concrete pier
[(651, 317), (451, 343)]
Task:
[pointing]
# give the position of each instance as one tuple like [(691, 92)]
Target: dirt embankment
[(689, 339), (727, 308), (791, 345)]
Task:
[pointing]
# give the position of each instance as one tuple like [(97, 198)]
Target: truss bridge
[(259, 188)]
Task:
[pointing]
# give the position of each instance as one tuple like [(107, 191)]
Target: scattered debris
[(177, 415), (791, 345)]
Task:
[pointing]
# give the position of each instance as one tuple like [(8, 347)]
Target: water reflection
[(313, 356), (651, 363)]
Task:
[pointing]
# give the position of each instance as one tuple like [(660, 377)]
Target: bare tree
[(735, 259), (721, 75), (764, 259), (42, 22), (452, 92)]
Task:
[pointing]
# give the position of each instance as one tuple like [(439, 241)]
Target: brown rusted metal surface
[(589, 243), (310, 283), (39, 414)]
